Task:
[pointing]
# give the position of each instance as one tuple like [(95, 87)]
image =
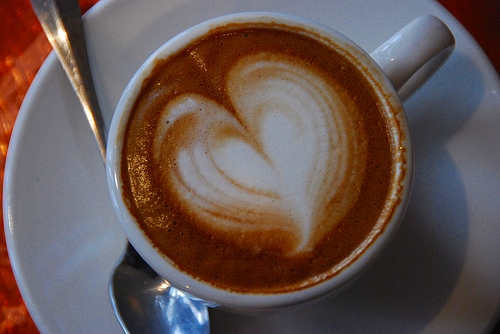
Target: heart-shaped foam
[(278, 171)]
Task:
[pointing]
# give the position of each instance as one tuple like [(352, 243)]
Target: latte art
[(286, 164), (257, 159)]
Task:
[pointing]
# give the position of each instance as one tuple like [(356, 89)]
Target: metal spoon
[(143, 301)]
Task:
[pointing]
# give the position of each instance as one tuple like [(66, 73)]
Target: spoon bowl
[(146, 303)]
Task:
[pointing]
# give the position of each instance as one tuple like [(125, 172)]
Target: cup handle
[(415, 53)]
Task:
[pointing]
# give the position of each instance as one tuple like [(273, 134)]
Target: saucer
[(441, 272)]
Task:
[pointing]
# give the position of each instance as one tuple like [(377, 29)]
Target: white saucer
[(441, 273)]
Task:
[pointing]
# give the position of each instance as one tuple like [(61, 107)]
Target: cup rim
[(246, 302)]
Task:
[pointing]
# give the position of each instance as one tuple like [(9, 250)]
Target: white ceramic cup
[(401, 65)]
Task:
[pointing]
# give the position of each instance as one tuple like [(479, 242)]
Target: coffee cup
[(261, 160)]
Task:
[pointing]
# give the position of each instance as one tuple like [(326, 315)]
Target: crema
[(258, 159)]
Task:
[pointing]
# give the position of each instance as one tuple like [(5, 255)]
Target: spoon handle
[(65, 33)]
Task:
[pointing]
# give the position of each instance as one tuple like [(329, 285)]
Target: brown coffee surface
[(258, 260)]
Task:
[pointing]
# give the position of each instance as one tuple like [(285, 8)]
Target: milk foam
[(288, 158)]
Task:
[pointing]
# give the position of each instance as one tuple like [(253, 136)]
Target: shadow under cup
[(391, 206)]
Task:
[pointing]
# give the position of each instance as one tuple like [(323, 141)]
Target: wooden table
[(23, 48)]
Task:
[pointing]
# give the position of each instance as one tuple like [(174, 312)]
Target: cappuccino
[(259, 159)]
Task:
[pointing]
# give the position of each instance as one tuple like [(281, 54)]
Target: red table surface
[(23, 48)]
